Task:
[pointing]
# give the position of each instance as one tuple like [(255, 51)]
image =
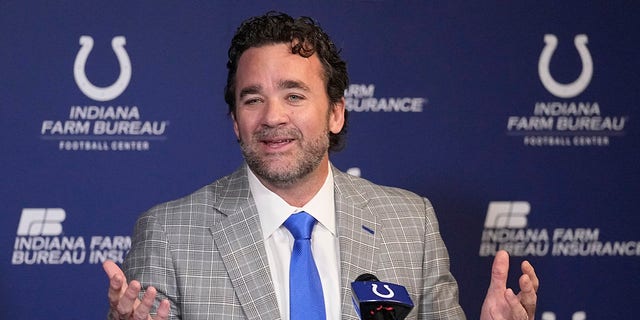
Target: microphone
[(377, 300)]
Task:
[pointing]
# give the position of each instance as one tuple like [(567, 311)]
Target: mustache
[(277, 133)]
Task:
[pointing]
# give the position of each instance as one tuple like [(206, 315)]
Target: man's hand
[(123, 298), (502, 303)]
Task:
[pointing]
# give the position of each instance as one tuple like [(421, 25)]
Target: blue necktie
[(306, 301)]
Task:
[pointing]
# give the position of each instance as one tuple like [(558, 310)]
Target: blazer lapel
[(357, 228), (238, 237)]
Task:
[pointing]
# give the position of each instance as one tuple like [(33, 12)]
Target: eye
[(250, 101), (295, 98)]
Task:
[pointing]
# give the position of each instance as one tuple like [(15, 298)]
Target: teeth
[(278, 141)]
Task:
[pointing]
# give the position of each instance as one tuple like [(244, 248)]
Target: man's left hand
[(502, 303)]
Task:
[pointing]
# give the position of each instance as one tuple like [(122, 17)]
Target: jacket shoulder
[(201, 205), (356, 187)]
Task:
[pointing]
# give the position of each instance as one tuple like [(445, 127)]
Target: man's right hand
[(123, 298)]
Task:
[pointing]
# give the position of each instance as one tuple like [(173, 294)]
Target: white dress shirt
[(273, 211)]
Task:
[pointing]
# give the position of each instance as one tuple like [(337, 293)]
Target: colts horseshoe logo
[(565, 90), (374, 288), (102, 93)]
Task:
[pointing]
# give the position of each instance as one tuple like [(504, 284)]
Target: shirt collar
[(273, 210)]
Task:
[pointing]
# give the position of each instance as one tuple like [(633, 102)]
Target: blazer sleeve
[(150, 261), (439, 298)]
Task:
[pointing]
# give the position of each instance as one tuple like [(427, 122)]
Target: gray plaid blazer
[(205, 252)]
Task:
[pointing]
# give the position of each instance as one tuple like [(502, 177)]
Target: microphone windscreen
[(367, 277)]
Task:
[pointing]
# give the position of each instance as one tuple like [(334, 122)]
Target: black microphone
[(377, 300)]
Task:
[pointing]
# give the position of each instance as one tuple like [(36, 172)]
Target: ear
[(336, 116), (235, 125)]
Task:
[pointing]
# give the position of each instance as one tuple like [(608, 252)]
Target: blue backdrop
[(536, 153)]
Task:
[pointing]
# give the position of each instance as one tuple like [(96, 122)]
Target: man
[(224, 251)]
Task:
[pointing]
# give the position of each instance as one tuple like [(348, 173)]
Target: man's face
[(283, 115)]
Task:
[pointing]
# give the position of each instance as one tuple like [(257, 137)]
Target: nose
[(275, 114)]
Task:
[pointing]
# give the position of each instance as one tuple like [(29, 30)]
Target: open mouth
[(277, 142)]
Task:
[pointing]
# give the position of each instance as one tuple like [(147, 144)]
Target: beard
[(285, 168)]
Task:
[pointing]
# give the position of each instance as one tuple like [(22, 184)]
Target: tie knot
[(300, 225)]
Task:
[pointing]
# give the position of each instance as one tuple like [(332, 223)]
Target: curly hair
[(306, 38)]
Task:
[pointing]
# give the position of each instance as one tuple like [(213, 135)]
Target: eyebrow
[(292, 84), (250, 90), (283, 84)]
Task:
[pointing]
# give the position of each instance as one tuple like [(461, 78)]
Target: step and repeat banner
[(519, 121)]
